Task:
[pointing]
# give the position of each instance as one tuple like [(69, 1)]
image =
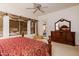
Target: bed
[(22, 46)]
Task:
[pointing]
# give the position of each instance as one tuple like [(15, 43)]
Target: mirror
[(63, 24)]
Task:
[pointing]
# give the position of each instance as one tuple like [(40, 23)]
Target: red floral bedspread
[(21, 46)]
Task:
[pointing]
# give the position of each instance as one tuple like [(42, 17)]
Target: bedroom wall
[(71, 14)]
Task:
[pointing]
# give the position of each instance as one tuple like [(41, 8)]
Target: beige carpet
[(64, 50)]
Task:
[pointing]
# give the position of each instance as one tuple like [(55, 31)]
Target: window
[(23, 27), (14, 27), (32, 27), (17, 27)]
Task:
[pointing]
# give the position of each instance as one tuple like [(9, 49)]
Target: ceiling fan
[(37, 7)]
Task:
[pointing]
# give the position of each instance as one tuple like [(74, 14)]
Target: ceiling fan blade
[(35, 10), (34, 4), (41, 10), (30, 8), (37, 6)]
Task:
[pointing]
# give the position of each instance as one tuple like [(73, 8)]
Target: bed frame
[(49, 45)]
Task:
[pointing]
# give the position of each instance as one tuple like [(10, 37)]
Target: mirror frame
[(61, 20)]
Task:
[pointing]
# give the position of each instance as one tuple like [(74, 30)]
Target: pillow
[(38, 37)]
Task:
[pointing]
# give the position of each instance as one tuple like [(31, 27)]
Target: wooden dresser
[(65, 37)]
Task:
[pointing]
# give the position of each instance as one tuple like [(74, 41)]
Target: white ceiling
[(21, 7)]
